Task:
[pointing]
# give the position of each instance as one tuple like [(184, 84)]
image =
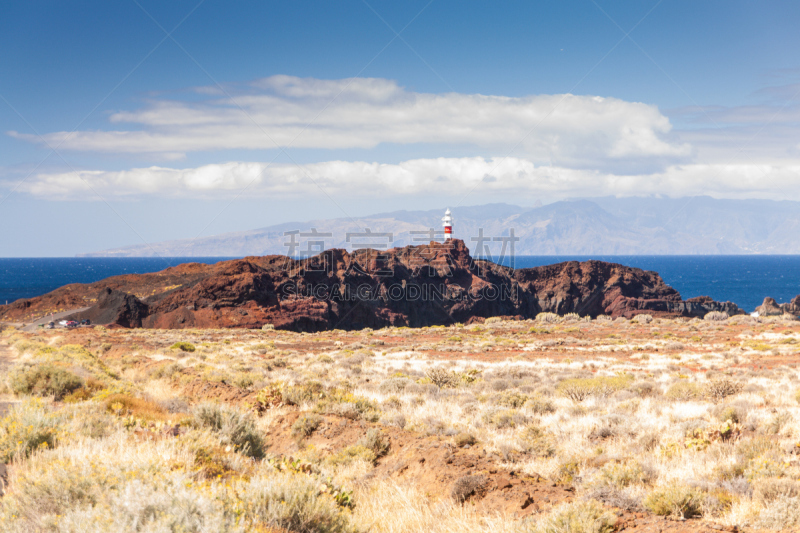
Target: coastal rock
[(772, 308), (433, 284), (769, 308)]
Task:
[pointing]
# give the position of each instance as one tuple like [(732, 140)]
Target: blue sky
[(252, 113)]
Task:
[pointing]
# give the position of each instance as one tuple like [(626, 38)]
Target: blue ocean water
[(29, 277), (742, 279)]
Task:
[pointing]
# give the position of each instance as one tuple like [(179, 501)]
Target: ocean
[(742, 279)]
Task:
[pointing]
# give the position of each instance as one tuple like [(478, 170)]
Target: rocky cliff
[(772, 308), (411, 286)]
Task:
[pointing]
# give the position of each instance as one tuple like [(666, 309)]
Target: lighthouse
[(447, 222)]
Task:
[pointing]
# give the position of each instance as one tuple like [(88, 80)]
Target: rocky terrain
[(433, 284)]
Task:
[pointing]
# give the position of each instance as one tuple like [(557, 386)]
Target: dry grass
[(674, 417)]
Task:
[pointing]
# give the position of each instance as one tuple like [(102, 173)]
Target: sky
[(131, 122)]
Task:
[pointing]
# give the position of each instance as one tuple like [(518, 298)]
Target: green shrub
[(511, 398), (348, 405), (308, 392), (234, 426), (464, 439), (548, 318), (305, 425), (292, 503), (769, 489), (782, 514), (683, 391), (675, 500), (504, 418), (622, 474), (729, 412), (576, 517), (375, 441), (566, 472), (45, 380), (345, 456), (539, 405), (578, 389), (127, 405), (27, 427), (764, 466), (537, 441), (183, 346)]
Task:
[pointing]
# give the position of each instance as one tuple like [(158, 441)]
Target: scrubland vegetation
[(561, 424)]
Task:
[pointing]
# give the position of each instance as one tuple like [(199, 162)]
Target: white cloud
[(442, 176), (364, 112)]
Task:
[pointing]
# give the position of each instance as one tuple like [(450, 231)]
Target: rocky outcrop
[(411, 286), (772, 308), (115, 307)]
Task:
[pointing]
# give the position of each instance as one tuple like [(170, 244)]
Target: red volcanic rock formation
[(412, 286)]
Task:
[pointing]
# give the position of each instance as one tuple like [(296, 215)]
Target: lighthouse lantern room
[(447, 222)]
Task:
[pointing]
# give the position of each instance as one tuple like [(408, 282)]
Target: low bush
[(504, 418), (623, 474), (348, 405), (305, 425), (464, 439), (781, 514), (578, 389), (675, 500), (539, 405), (778, 422), (347, 455), (548, 318), (45, 380), (27, 427), (183, 346), (537, 441), (576, 517), (716, 316), (443, 378), (467, 486), (769, 489), (126, 405), (512, 398), (683, 391), (642, 318), (376, 442), (235, 427), (566, 472), (292, 503), (394, 385), (719, 389)]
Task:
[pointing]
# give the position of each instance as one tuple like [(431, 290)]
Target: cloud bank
[(284, 111), (453, 177)]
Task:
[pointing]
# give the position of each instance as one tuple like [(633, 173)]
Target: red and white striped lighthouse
[(447, 222)]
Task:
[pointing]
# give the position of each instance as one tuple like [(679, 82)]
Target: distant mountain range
[(603, 226)]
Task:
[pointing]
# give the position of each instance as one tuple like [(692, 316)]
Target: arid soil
[(497, 383)]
